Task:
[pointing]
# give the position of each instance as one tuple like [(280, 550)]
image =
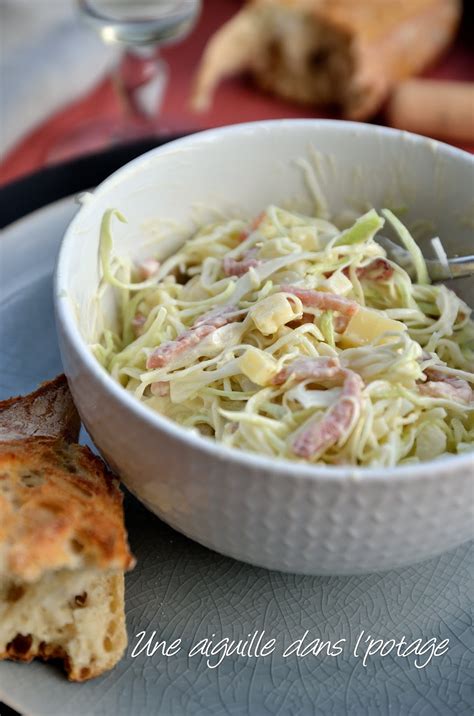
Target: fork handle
[(459, 267)]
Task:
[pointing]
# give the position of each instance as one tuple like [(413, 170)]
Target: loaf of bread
[(342, 53), (63, 545)]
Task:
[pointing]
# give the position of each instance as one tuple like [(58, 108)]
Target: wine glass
[(140, 28)]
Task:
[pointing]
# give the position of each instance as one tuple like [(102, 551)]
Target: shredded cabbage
[(258, 276)]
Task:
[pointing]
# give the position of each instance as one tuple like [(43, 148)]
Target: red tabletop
[(237, 100)]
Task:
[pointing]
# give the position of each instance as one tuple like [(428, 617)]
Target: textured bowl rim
[(279, 466)]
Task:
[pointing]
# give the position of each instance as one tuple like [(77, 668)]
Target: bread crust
[(60, 508), (49, 412)]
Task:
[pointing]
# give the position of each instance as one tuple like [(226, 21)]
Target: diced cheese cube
[(338, 283), (272, 312), (366, 325), (306, 236), (258, 366)]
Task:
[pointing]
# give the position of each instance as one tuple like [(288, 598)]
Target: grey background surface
[(184, 591)]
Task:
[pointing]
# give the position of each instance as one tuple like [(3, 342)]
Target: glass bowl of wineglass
[(138, 29)]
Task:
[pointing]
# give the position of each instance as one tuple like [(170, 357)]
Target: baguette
[(328, 52), (63, 545)]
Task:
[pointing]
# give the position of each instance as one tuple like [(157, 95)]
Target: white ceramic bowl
[(272, 513)]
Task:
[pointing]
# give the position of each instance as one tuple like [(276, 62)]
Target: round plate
[(180, 590)]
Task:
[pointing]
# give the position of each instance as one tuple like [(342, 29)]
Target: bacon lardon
[(218, 317), (323, 300), (321, 368), (321, 434), (253, 226), (160, 388), (138, 321), (378, 270), (147, 268), (203, 327), (237, 267), (441, 385)]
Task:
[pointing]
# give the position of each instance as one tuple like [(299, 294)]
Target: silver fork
[(457, 268)]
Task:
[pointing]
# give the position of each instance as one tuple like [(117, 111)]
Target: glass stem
[(140, 80)]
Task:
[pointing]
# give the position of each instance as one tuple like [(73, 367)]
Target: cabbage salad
[(289, 337)]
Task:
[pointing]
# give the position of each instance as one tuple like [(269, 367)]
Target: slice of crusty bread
[(49, 411), (63, 544)]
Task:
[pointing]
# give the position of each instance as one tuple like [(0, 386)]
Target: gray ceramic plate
[(182, 591)]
